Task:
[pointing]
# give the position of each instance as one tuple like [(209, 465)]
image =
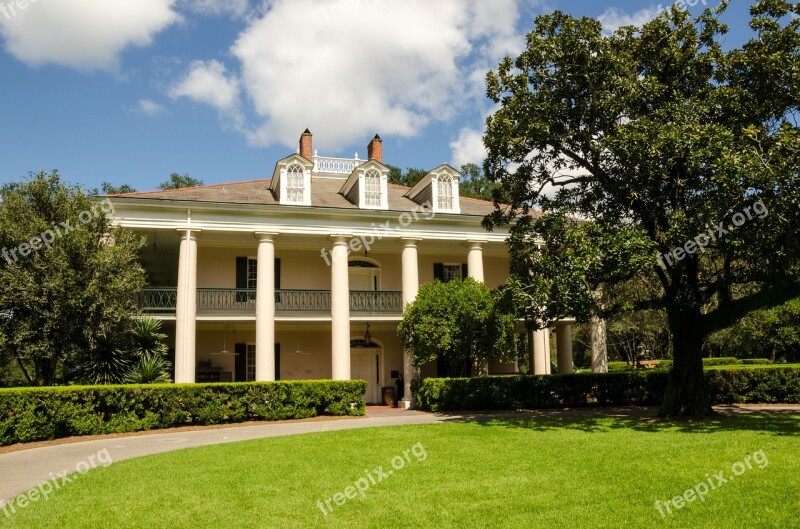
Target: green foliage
[(642, 387), (107, 188), (533, 392), (656, 135), (177, 181), (460, 322), (409, 178), (135, 354), (59, 302), (151, 369), (772, 332), (36, 414), (475, 184)]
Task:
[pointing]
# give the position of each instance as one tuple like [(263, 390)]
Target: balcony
[(341, 166), (213, 300)]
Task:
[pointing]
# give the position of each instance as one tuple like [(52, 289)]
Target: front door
[(365, 364)]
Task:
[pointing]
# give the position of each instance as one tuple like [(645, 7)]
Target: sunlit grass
[(548, 473)]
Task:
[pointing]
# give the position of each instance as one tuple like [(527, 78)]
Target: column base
[(408, 403)]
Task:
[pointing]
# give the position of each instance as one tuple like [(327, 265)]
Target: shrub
[(635, 387), (756, 361), (721, 361), (35, 414)]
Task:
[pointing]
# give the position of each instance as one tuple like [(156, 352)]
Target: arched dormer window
[(445, 193), (372, 188), (295, 184)]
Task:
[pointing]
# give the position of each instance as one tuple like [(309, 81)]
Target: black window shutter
[(277, 361), (277, 280), (438, 271), (241, 278), (464, 271), (241, 362)]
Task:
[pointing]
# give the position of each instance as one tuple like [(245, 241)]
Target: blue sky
[(129, 91)]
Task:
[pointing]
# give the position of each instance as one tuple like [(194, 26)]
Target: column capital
[(409, 241), (340, 238), (192, 232), (569, 320), (475, 243), (265, 236)]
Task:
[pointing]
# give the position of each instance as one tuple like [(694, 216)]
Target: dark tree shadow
[(780, 422)]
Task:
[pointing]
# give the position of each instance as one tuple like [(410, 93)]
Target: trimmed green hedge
[(36, 414), (707, 362), (624, 388)]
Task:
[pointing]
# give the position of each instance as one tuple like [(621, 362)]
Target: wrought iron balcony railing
[(158, 300), (164, 300)]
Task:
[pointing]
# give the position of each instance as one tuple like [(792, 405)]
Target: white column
[(538, 353), (548, 354), (475, 260), (265, 307), (410, 276), (186, 308), (340, 309), (564, 346)]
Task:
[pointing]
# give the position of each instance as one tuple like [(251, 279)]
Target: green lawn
[(549, 473)]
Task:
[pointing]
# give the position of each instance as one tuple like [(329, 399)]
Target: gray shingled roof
[(324, 193)]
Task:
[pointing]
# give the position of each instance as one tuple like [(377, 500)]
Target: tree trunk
[(686, 392), (597, 331)]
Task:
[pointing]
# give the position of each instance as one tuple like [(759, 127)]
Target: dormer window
[(291, 181), (367, 186), (372, 188), (295, 184), (438, 190), (445, 193)]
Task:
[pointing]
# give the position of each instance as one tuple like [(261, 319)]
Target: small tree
[(459, 323), (177, 181)]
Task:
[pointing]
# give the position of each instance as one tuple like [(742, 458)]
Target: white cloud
[(208, 82), (150, 108), (346, 73), (84, 34), (613, 18), (235, 8), (468, 148)]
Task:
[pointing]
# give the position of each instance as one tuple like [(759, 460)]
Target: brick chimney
[(375, 149), (306, 150)]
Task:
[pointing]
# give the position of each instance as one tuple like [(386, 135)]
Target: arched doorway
[(366, 363), (364, 274)]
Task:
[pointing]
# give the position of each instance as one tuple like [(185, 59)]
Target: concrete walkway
[(24, 469)]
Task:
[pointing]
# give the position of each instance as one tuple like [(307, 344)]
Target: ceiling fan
[(225, 351)]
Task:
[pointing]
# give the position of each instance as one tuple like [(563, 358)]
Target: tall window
[(372, 188), (252, 272), (295, 183), (251, 362), (445, 192), (452, 272)]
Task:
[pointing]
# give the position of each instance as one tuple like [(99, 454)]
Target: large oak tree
[(644, 141)]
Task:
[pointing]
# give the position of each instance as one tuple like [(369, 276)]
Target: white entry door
[(365, 364)]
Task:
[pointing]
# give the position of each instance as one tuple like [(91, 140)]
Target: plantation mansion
[(305, 275)]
